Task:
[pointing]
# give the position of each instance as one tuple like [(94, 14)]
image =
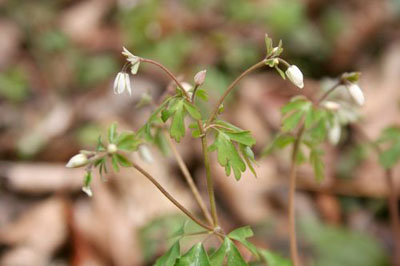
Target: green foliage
[(227, 251), (241, 235), (195, 256), (390, 155), (274, 259), (170, 257), (13, 85)]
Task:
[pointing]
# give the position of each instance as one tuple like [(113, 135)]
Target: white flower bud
[(145, 154), (295, 76), (112, 148), (334, 133), (274, 50), (356, 93), (121, 83), (134, 60), (188, 88), (77, 161), (87, 190), (333, 106), (200, 77)]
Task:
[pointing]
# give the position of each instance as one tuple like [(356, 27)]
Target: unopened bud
[(334, 133), (200, 77), (295, 76), (356, 92), (112, 148), (77, 161), (145, 154)]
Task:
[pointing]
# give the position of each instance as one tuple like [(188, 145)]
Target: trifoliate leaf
[(241, 234)]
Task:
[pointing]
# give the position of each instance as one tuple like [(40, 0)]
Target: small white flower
[(295, 76), (356, 93), (112, 148), (200, 77), (87, 190), (334, 133), (134, 60), (188, 88), (77, 161), (145, 154), (122, 83), (330, 105)]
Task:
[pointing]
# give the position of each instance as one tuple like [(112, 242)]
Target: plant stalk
[(189, 179), (231, 87), (171, 198)]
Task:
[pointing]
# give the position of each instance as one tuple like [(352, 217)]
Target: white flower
[(295, 76), (334, 133), (112, 148), (200, 77), (145, 154), (87, 190), (330, 105), (77, 161), (188, 88), (122, 83), (356, 92), (134, 60)]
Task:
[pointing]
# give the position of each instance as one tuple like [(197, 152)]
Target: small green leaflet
[(128, 141), (241, 234), (170, 257), (279, 142), (293, 112), (112, 132), (88, 179), (196, 256), (390, 156), (227, 251), (274, 259)]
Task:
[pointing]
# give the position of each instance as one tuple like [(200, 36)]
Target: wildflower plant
[(306, 124)]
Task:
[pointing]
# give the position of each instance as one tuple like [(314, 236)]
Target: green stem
[(231, 87), (292, 184), (171, 198), (189, 179)]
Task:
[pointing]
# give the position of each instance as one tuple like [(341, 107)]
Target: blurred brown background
[(58, 59)]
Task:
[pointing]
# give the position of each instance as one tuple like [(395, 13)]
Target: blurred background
[(58, 59)]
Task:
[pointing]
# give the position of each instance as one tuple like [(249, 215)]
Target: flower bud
[(87, 190), (145, 154), (121, 83), (295, 76), (334, 133), (200, 77), (77, 161), (330, 105), (112, 148), (356, 93)]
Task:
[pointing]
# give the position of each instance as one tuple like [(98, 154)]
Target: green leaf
[(112, 132), (128, 141), (202, 94), (390, 157), (161, 142), (291, 122), (296, 104), (100, 146), (280, 72), (170, 257), (177, 129), (227, 250), (88, 179), (192, 110), (248, 157), (196, 256), (274, 259), (243, 137), (122, 160), (317, 164), (228, 156), (241, 234), (114, 162)]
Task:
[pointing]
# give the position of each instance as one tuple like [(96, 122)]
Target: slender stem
[(210, 182), (189, 179), (169, 73), (230, 88), (171, 198), (292, 185), (194, 93), (392, 198)]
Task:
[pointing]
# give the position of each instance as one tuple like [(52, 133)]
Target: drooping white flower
[(134, 60), (122, 82), (145, 154), (356, 93), (334, 133), (330, 105), (295, 76), (112, 148), (200, 77), (77, 161), (87, 190)]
